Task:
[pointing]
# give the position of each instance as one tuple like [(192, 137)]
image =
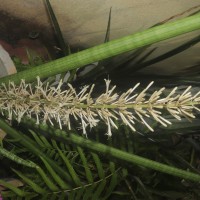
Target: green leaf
[(88, 173), (37, 138), (45, 141), (99, 166), (107, 37), (72, 172), (33, 185), (16, 158), (99, 189), (47, 180), (168, 54), (58, 180), (113, 181), (61, 41)]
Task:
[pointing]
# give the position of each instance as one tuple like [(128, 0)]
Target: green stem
[(113, 152), (109, 49)]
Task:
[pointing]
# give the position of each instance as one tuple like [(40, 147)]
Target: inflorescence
[(51, 104)]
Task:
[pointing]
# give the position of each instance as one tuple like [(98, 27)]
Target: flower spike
[(50, 104)]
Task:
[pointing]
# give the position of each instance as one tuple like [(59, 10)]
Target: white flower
[(50, 104)]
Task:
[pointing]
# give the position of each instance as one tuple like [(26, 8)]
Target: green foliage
[(90, 174), (96, 169)]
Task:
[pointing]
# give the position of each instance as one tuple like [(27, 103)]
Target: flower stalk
[(55, 105)]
